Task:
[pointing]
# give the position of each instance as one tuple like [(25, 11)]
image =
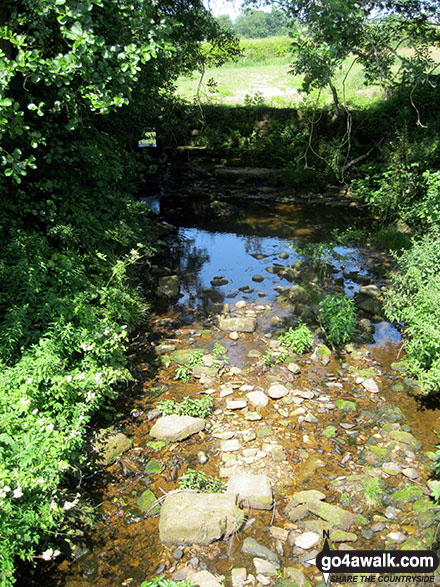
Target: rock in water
[(188, 517), (244, 324), (254, 491), (174, 427)]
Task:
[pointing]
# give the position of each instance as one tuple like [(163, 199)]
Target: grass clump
[(298, 340), (198, 481), (337, 314), (199, 408)]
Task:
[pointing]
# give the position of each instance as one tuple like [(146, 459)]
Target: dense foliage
[(79, 83), (415, 300)]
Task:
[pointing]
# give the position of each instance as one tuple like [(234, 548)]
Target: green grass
[(261, 75)]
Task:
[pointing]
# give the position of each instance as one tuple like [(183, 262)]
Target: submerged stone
[(148, 503), (252, 547), (110, 445)]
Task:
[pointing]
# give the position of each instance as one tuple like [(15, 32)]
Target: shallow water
[(124, 549)]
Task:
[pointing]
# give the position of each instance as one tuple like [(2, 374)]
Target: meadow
[(261, 76)]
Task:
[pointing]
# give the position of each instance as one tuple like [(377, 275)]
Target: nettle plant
[(198, 481), (297, 340), (337, 315), (200, 408)]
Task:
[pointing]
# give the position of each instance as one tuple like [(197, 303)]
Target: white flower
[(49, 554), (98, 377), (29, 380), (69, 378), (68, 505), (25, 402), (50, 427), (34, 412), (17, 492), (6, 488)]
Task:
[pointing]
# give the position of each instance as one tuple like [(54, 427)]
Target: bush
[(338, 318), (414, 299)]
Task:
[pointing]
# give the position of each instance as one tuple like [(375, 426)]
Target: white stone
[(204, 578), (238, 577), (258, 399), (233, 335), (246, 387), (230, 445), (293, 368), (174, 427), (254, 491), (370, 385), (236, 404), (307, 540), (277, 390), (264, 567), (240, 304)]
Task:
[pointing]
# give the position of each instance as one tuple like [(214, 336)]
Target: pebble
[(236, 404), (177, 554), (238, 577), (277, 391), (202, 457), (294, 368), (411, 473), (249, 436), (398, 537), (240, 304), (253, 416), (230, 445), (307, 540), (233, 335), (257, 398), (391, 513), (370, 385)]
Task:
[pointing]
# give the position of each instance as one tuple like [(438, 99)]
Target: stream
[(347, 424)]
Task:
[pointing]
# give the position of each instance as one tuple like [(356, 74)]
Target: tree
[(327, 32), (260, 24)]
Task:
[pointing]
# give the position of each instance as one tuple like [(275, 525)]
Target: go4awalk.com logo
[(411, 567)]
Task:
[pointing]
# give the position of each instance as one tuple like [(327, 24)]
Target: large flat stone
[(254, 491), (174, 427), (188, 517), (243, 324), (205, 579)]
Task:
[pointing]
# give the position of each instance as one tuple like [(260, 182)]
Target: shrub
[(187, 407), (414, 299), (298, 339), (338, 318), (198, 481)]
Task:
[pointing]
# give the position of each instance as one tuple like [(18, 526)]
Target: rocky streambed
[(322, 441)]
